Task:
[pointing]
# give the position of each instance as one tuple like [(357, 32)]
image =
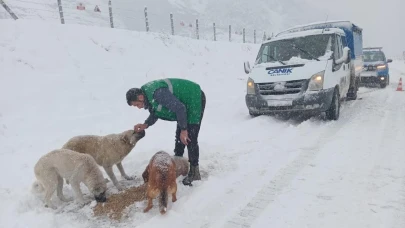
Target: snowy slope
[(260, 172), (48, 11), (268, 16), (262, 15)]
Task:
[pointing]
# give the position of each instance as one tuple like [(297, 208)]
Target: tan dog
[(73, 166), (107, 150), (182, 166), (160, 176)]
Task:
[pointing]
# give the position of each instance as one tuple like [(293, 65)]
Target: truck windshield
[(308, 47), (373, 56)]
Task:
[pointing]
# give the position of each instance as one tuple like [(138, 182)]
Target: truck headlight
[(381, 67), (250, 86), (316, 82)]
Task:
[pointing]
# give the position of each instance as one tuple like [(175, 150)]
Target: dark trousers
[(193, 130)]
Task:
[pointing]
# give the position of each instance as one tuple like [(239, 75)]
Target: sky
[(383, 21)]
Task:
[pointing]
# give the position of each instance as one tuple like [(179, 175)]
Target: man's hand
[(184, 137), (140, 127)]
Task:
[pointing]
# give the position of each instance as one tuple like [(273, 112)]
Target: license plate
[(368, 74), (273, 103)]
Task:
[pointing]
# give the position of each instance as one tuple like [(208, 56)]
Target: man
[(174, 99)]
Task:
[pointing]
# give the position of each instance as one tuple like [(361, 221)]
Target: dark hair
[(132, 95)]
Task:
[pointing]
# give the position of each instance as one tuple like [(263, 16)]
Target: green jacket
[(188, 92)]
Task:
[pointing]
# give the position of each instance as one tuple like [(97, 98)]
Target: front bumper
[(372, 77), (305, 102)]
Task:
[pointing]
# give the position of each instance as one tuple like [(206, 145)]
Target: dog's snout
[(101, 198), (141, 134)]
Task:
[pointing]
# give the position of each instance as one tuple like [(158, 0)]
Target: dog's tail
[(163, 194), (37, 187)]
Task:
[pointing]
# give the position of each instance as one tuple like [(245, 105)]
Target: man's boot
[(193, 174), (197, 175)]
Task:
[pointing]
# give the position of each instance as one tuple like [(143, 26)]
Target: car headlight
[(381, 67), (316, 81), (250, 86)]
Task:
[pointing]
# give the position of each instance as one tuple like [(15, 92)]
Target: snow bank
[(58, 81)]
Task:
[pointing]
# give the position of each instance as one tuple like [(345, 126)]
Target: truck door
[(341, 71), (346, 66)]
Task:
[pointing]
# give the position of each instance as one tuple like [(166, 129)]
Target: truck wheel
[(334, 110), (352, 94)]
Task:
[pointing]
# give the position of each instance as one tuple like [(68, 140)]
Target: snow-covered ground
[(257, 172)]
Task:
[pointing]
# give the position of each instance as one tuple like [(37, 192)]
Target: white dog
[(107, 150), (73, 166)]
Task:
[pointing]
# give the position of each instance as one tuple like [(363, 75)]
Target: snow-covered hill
[(268, 16), (48, 11)]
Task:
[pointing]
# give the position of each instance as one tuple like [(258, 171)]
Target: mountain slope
[(263, 15)]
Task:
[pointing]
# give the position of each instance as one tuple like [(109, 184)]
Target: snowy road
[(348, 173), (257, 172)]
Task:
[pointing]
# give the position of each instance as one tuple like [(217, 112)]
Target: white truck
[(309, 68)]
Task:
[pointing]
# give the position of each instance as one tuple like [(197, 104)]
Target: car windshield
[(373, 56), (308, 47)]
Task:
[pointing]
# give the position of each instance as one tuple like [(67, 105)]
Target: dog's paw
[(147, 209), (64, 199), (80, 202), (50, 206), (119, 187), (129, 177)]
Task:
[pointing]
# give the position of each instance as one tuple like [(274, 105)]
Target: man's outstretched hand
[(140, 127)]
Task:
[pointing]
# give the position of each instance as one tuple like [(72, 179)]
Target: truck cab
[(308, 68), (376, 69)]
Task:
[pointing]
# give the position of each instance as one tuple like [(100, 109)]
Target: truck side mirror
[(247, 67), (349, 56), (345, 58), (389, 61)]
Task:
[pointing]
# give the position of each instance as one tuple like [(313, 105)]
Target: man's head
[(135, 97)]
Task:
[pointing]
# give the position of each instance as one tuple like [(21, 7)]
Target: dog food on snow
[(117, 203)]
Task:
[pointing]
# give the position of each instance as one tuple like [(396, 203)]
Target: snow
[(269, 17), (163, 160), (259, 172), (320, 24), (45, 10), (293, 34)]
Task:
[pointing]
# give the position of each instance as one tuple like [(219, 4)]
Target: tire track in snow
[(390, 166), (264, 197)]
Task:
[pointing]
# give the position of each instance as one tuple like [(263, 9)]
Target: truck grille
[(281, 88)]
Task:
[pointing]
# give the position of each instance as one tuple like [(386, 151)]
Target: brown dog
[(160, 176)]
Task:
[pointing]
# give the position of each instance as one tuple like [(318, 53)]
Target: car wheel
[(333, 112), (253, 114), (383, 85)]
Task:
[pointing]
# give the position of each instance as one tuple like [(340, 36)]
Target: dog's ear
[(124, 138), (145, 174)]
